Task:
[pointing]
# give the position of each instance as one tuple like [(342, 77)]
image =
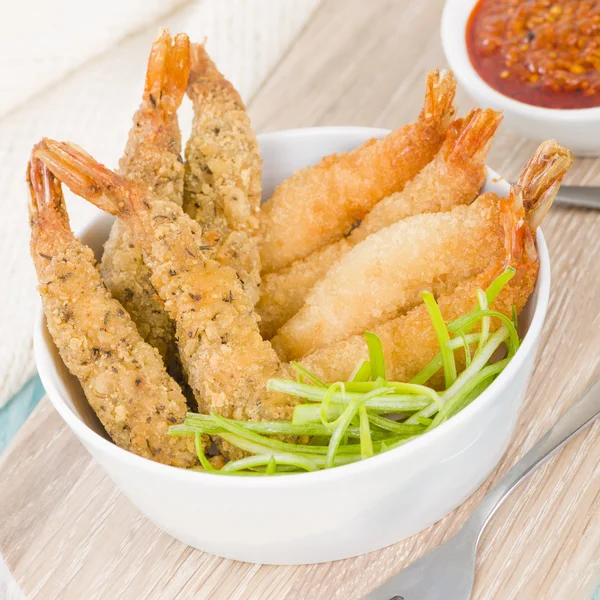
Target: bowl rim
[(93, 440), (454, 21)]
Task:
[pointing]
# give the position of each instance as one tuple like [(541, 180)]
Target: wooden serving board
[(67, 533)]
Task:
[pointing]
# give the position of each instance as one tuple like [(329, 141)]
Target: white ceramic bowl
[(325, 515), (577, 129)]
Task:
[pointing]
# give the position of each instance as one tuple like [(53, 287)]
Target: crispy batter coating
[(409, 341), (123, 377), (223, 170), (227, 362), (152, 158), (318, 205), (282, 293), (384, 274), (453, 177)]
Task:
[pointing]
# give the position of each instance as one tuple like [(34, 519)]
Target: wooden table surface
[(67, 533)]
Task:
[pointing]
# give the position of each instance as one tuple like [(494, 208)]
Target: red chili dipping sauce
[(542, 52)]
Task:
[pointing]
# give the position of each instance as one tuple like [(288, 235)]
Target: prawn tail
[(530, 199), (469, 139), (200, 64), (520, 250), (168, 71), (541, 179), (46, 201), (438, 109), (86, 177), (204, 75), (178, 71)]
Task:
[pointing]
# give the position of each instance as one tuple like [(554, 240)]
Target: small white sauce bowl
[(577, 129), (326, 515)]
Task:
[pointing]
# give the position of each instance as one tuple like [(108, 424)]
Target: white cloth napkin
[(9, 588), (77, 83), (46, 40)]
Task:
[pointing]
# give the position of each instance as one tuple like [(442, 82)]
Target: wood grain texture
[(67, 533)]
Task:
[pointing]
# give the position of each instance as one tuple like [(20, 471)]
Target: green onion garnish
[(375, 356), (303, 373), (443, 337)]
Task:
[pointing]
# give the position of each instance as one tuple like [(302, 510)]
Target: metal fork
[(448, 571), (581, 196)]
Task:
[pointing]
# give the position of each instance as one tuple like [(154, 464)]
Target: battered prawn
[(152, 158), (319, 204), (123, 377), (227, 362), (453, 177), (383, 275), (223, 170)]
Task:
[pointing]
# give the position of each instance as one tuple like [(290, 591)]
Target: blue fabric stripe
[(18, 408)]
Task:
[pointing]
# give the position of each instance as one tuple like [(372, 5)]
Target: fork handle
[(581, 196), (583, 412)]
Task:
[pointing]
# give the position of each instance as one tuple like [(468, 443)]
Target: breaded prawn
[(227, 362), (318, 205), (223, 170), (123, 377), (453, 177), (383, 275), (152, 159)]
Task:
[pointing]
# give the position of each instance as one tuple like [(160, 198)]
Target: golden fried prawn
[(453, 177), (152, 159), (319, 204), (123, 377)]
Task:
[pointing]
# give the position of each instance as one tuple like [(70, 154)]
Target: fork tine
[(448, 571)]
